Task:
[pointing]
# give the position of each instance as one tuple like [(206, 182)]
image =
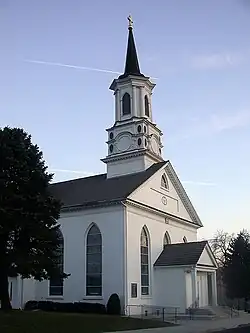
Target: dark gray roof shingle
[(181, 254), (97, 189)]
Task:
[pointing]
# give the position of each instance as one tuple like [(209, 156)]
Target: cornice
[(182, 194), (134, 119), (159, 212), (97, 204), (128, 155), (78, 208), (132, 79)]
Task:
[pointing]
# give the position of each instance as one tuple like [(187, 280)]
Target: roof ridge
[(192, 242), (77, 179)]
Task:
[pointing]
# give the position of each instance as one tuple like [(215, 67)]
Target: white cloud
[(225, 122), (219, 60), (198, 183), (215, 123)]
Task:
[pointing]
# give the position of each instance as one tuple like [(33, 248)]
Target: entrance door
[(202, 289), (189, 290), (210, 289)]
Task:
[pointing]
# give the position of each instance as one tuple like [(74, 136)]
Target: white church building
[(133, 230)]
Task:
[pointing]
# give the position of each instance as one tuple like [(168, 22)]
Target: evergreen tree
[(28, 213), (236, 273)]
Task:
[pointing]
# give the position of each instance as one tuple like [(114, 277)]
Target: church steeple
[(132, 66), (134, 141)]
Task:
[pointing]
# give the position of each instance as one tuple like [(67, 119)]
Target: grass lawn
[(47, 322)]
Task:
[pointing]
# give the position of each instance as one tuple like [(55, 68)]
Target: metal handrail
[(157, 312)]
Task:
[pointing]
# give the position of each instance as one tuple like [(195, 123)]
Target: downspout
[(125, 275)]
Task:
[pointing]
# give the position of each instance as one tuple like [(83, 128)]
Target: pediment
[(172, 199)]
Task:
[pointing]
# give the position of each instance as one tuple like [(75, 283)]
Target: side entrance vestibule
[(185, 276)]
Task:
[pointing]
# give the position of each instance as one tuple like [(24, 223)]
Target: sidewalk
[(201, 326)]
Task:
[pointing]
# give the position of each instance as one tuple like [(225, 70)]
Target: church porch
[(201, 291), (185, 276)]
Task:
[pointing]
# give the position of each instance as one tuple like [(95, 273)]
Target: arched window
[(184, 239), (166, 239), (146, 105), (144, 262), (126, 104), (94, 262), (164, 182), (56, 284)]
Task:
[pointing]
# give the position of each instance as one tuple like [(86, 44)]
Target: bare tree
[(219, 245)]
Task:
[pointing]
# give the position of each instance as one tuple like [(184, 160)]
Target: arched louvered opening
[(126, 104), (164, 182), (146, 104)]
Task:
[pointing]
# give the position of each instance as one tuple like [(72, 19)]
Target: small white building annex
[(133, 230)]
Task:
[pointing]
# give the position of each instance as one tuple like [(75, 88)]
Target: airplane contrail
[(87, 174), (48, 63), (70, 66), (84, 173)]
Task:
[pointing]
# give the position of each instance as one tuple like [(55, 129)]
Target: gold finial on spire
[(130, 22)]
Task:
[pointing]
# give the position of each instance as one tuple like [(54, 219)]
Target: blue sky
[(199, 51)]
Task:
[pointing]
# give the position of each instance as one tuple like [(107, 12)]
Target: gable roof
[(184, 254), (100, 189)]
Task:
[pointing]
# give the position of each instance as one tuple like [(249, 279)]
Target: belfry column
[(141, 102), (117, 104), (134, 101)]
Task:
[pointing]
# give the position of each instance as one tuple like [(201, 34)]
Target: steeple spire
[(134, 141), (132, 64)]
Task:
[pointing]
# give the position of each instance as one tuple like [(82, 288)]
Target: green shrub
[(114, 305), (77, 307)]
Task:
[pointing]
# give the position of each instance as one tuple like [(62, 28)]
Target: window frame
[(54, 286), (145, 253), (97, 261)]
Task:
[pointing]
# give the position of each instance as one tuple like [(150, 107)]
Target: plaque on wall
[(133, 290)]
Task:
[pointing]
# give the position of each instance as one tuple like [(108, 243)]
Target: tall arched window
[(164, 182), (184, 239), (146, 105), (126, 104), (166, 239), (94, 262), (144, 262), (56, 284)]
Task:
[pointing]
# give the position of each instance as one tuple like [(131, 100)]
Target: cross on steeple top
[(132, 64), (130, 22)]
